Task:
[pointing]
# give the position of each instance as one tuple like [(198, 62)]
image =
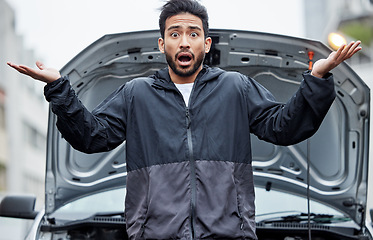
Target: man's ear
[(208, 42), (161, 45)]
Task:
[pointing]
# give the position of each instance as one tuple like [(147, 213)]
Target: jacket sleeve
[(101, 130), (299, 118)]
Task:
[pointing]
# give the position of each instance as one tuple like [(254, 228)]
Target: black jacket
[(189, 167)]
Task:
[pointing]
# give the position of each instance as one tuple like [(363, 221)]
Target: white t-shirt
[(185, 89)]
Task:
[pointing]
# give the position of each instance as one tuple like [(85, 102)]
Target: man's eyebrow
[(195, 27), (178, 26)]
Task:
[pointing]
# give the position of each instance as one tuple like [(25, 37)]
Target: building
[(23, 118)]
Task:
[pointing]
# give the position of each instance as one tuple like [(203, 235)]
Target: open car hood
[(337, 154)]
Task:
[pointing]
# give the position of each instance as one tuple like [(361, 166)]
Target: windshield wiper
[(303, 217), (103, 219), (108, 214)]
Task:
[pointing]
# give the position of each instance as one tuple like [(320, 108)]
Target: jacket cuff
[(54, 87), (325, 77)]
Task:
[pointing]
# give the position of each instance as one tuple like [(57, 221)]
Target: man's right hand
[(43, 74)]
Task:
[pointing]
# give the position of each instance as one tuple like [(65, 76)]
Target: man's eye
[(174, 34), (194, 34)]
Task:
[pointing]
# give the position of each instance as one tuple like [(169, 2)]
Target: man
[(189, 157)]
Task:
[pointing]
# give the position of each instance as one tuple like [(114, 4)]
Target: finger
[(40, 65), (340, 49), (357, 43), (335, 56), (20, 68), (12, 64), (26, 70), (344, 52), (16, 67), (354, 49), (353, 52), (352, 46), (346, 49)]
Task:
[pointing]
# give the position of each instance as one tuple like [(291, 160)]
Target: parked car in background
[(316, 187)]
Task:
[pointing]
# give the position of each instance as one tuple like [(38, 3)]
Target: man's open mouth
[(184, 58)]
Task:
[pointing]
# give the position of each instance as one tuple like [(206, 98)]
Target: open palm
[(42, 73), (323, 66)]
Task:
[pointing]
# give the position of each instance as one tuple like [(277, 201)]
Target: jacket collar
[(162, 78)]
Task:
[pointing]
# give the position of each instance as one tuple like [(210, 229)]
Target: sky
[(57, 30)]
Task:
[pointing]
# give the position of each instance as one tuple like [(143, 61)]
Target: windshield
[(270, 203), (111, 201)]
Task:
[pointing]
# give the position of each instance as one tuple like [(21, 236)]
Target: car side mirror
[(18, 207)]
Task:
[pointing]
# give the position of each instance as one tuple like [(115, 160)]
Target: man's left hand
[(323, 66)]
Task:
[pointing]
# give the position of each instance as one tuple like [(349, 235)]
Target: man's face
[(184, 44)]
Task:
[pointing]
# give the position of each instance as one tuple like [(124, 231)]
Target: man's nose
[(184, 43)]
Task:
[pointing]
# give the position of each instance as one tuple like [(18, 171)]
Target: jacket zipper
[(192, 174), (192, 162)]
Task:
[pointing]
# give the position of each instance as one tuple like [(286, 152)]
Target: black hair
[(174, 7)]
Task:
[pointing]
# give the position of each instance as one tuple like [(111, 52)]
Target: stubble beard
[(184, 72)]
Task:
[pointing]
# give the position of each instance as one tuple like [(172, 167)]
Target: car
[(315, 188)]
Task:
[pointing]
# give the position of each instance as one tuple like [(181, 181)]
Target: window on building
[(33, 137), (2, 177), (2, 109)]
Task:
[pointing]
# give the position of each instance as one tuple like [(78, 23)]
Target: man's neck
[(181, 80)]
